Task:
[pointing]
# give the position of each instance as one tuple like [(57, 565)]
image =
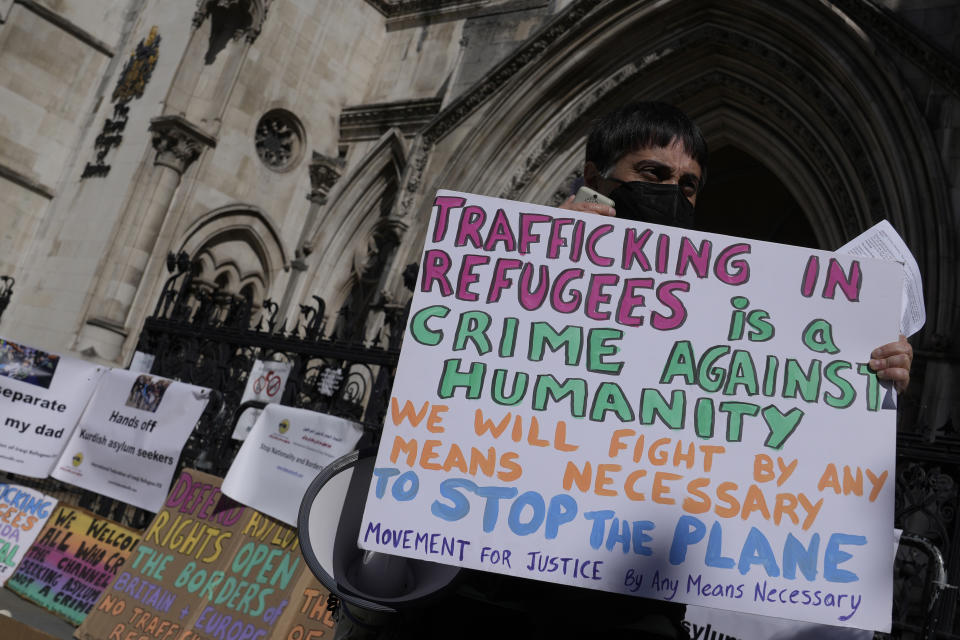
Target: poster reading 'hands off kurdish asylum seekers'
[(643, 410), (129, 439), (42, 395)]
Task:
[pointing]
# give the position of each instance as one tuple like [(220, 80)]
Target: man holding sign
[(640, 409), (651, 160)]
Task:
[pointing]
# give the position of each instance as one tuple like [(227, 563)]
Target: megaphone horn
[(329, 526)]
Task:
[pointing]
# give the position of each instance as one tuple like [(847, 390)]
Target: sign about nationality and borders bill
[(42, 395), (75, 557), (644, 410), (283, 453), (23, 513), (207, 567), (129, 439)]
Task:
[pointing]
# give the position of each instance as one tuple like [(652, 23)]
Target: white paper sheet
[(881, 241)]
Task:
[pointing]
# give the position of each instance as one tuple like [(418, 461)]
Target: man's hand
[(892, 362), (588, 207)]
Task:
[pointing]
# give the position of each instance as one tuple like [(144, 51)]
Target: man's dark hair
[(640, 125)]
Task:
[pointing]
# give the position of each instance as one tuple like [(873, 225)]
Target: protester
[(651, 159)]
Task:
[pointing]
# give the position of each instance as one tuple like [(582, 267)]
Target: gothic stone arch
[(237, 246), (796, 84), (357, 239)]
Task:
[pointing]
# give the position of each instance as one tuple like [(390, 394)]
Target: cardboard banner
[(129, 439), (23, 513), (644, 410), (284, 452), (207, 568), (42, 396), (75, 557), (265, 383), (306, 617)]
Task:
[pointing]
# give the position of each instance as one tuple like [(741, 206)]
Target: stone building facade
[(292, 148)]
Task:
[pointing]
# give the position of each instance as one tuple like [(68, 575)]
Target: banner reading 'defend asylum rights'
[(643, 410), (42, 395), (129, 439), (206, 568)]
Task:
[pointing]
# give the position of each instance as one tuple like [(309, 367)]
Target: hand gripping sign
[(644, 410)]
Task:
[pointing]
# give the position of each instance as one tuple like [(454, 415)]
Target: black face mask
[(652, 202)]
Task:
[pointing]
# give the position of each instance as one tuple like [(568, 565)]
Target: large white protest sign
[(265, 383), (42, 395), (23, 512), (129, 439), (643, 410), (283, 453)]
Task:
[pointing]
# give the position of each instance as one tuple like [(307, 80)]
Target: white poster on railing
[(284, 452), (23, 512), (129, 439), (42, 395), (644, 410), (265, 383)]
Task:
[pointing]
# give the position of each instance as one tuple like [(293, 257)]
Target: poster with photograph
[(284, 452), (42, 395), (129, 439), (645, 410), (75, 557), (265, 383), (23, 513)]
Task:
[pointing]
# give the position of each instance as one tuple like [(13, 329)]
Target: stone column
[(177, 144), (324, 173)]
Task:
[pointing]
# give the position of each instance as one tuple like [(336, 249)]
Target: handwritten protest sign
[(265, 383), (42, 395), (284, 452), (207, 567), (307, 616), (644, 410), (129, 439), (23, 512), (75, 557)]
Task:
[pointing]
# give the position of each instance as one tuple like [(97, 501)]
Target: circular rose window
[(279, 139)]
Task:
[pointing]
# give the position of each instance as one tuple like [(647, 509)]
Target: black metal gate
[(201, 335)]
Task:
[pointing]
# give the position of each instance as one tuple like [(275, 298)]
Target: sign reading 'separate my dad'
[(42, 395), (644, 410), (129, 439)]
